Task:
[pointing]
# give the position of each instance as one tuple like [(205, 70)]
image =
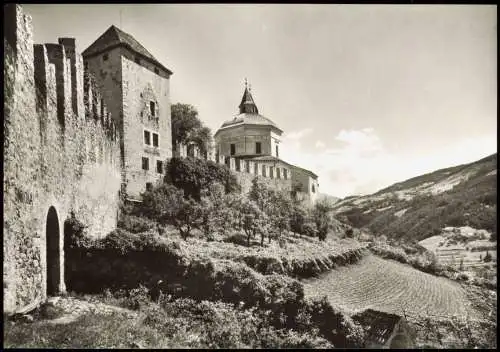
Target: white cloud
[(320, 144), (362, 165), (298, 134)]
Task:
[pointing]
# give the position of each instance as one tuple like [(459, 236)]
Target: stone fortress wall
[(61, 156)]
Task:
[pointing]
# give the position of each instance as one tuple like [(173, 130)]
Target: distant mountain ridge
[(421, 206)]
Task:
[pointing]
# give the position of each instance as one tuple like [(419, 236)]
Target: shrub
[(487, 258), (309, 229), (135, 224), (166, 204), (337, 327), (137, 298), (349, 232), (75, 233), (193, 175)]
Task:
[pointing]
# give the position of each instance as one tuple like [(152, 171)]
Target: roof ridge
[(114, 36)]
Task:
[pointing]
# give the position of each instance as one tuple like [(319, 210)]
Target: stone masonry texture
[(61, 152)]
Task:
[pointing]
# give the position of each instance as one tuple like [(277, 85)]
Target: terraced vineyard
[(390, 286)]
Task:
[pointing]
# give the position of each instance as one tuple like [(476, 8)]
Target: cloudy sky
[(367, 95)]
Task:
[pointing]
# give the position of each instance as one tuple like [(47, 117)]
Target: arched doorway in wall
[(53, 233)]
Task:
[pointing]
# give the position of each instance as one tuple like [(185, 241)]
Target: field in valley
[(464, 246), (391, 287)]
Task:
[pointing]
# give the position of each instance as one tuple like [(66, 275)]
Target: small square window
[(157, 71), (159, 166), (258, 147), (105, 57), (152, 108), (147, 138), (155, 139), (145, 163)]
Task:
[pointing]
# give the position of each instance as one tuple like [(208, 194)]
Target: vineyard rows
[(391, 287)]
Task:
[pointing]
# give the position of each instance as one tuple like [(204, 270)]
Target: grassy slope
[(443, 313), (472, 203), (171, 324), (391, 286)]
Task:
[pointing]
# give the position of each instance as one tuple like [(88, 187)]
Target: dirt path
[(73, 308)]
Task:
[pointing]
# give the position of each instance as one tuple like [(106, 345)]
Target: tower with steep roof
[(136, 88)]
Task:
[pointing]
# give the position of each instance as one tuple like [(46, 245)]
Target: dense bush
[(194, 175), (322, 218), (135, 224)]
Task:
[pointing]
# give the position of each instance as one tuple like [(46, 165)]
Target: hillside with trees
[(421, 207)]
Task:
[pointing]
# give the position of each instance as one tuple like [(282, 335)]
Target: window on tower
[(147, 138), (145, 163), (152, 108)]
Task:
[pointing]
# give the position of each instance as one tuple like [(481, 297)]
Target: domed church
[(253, 142)]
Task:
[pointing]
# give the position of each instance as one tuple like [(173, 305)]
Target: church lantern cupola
[(247, 105)]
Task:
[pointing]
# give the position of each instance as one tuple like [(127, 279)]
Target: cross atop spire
[(247, 105)]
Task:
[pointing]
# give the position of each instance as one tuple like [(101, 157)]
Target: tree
[(279, 212), (194, 175), (202, 138), (253, 220), (184, 122), (167, 205), (321, 218), (187, 127), (298, 218), (260, 193)]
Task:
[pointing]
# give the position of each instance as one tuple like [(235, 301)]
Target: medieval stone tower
[(136, 88)]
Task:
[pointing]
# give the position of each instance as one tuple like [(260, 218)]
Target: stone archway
[(53, 236)]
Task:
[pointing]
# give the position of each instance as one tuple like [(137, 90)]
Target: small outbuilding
[(384, 330)]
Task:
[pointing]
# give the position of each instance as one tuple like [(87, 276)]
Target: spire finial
[(246, 83), (249, 87)]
